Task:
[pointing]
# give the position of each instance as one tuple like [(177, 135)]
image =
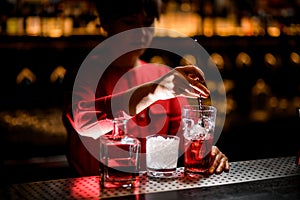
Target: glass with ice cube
[(198, 131), (162, 155)]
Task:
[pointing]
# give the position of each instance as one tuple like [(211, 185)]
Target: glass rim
[(162, 135)]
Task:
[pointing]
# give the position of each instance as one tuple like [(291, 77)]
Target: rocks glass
[(162, 155), (119, 157)]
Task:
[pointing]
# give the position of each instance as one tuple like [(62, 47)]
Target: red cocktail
[(197, 157), (198, 131)]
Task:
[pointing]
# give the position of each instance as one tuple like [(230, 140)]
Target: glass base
[(163, 173), (120, 184), (194, 173), (196, 170)]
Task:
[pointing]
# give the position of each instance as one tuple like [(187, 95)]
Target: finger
[(223, 165), (214, 151), (220, 162), (197, 73), (199, 83), (201, 89), (185, 88), (215, 156), (227, 166), (184, 82), (213, 167), (190, 94), (192, 71), (191, 81)]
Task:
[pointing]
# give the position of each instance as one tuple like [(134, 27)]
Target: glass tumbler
[(119, 157), (198, 131)]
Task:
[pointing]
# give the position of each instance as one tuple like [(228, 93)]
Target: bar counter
[(271, 178)]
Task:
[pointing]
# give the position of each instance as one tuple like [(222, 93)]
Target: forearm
[(91, 117), (94, 117), (141, 98)]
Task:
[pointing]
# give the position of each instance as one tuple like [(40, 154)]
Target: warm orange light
[(14, 26), (208, 27), (188, 60), (57, 74), (270, 59), (243, 59), (157, 59), (273, 31), (283, 104), (218, 60), (33, 26), (295, 58), (25, 73), (229, 85)]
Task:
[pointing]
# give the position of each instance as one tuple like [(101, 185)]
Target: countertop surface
[(272, 178)]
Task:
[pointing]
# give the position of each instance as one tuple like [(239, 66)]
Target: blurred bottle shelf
[(261, 74), (189, 24), (61, 18)]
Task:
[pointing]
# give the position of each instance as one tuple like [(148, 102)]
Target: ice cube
[(195, 132)]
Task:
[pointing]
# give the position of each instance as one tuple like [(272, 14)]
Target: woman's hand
[(219, 162), (187, 81)]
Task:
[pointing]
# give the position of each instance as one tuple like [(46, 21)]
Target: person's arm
[(92, 117)]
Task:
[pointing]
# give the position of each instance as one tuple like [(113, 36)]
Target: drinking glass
[(119, 157), (162, 155), (198, 130)]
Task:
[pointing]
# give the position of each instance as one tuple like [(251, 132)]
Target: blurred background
[(254, 43)]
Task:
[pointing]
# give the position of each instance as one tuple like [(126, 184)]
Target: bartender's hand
[(219, 163), (188, 81)]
